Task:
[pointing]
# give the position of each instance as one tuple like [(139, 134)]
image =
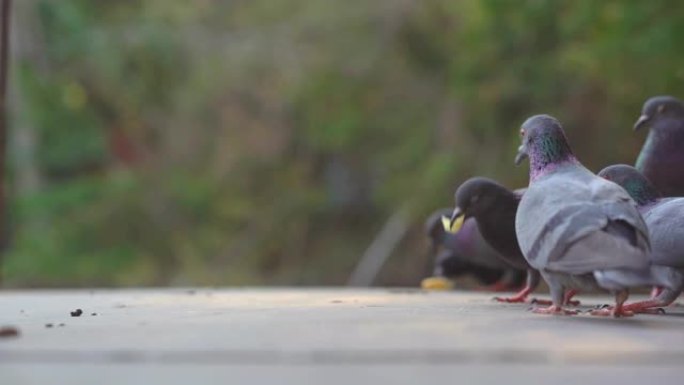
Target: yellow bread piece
[(437, 283)]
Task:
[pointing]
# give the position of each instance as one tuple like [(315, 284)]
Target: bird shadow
[(638, 321)]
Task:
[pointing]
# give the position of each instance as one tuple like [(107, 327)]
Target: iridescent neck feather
[(547, 153)]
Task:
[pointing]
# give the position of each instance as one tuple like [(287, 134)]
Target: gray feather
[(621, 278), (668, 277), (665, 220), (561, 221)]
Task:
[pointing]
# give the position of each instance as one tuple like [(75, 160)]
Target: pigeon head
[(477, 196), (543, 142), (629, 178), (433, 225), (659, 107)]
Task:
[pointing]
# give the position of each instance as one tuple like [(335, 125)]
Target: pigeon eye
[(522, 132)]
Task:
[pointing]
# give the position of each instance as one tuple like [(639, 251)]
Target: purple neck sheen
[(548, 152), (541, 165)]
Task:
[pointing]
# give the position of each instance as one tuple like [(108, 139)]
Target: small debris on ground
[(49, 325), (8, 332), (93, 314), (76, 313), (61, 325), (336, 301)]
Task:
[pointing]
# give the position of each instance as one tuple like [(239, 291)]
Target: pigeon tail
[(598, 251), (622, 229)]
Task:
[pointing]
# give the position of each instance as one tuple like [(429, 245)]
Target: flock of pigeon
[(579, 231)]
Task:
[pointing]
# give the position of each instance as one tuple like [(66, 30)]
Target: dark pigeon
[(662, 157), (467, 253), (449, 264), (665, 220), (494, 206), (579, 230)]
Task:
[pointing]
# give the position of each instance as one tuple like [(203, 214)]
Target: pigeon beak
[(453, 225), (643, 119), (522, 155)]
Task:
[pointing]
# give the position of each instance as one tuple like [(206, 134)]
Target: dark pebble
[(76, 313), (49, 325), (8, 332), (93, 314)]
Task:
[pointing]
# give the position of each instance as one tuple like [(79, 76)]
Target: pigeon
[(449, 265), (465, 252), (579, 230), (662, 157), (494, 206), (665, 220)]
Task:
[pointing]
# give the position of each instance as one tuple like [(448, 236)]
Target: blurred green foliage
[(266, 142)]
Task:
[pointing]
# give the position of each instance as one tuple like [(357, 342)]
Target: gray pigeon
[(665, 220), (662, 157), (579, 230)]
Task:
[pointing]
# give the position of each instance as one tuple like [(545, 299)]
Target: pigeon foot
[(567, 301), (514, 299), (611, 312), (520, 297), (651, 306), (547, 302), (496, 287), (619, 310), (553, 310)]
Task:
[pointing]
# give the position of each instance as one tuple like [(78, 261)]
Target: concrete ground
[(324, 336)]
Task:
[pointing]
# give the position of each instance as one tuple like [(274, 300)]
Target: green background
[(175, 142)]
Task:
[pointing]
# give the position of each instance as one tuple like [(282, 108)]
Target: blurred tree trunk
[(26, 49), (4, 50), (381, 249)]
